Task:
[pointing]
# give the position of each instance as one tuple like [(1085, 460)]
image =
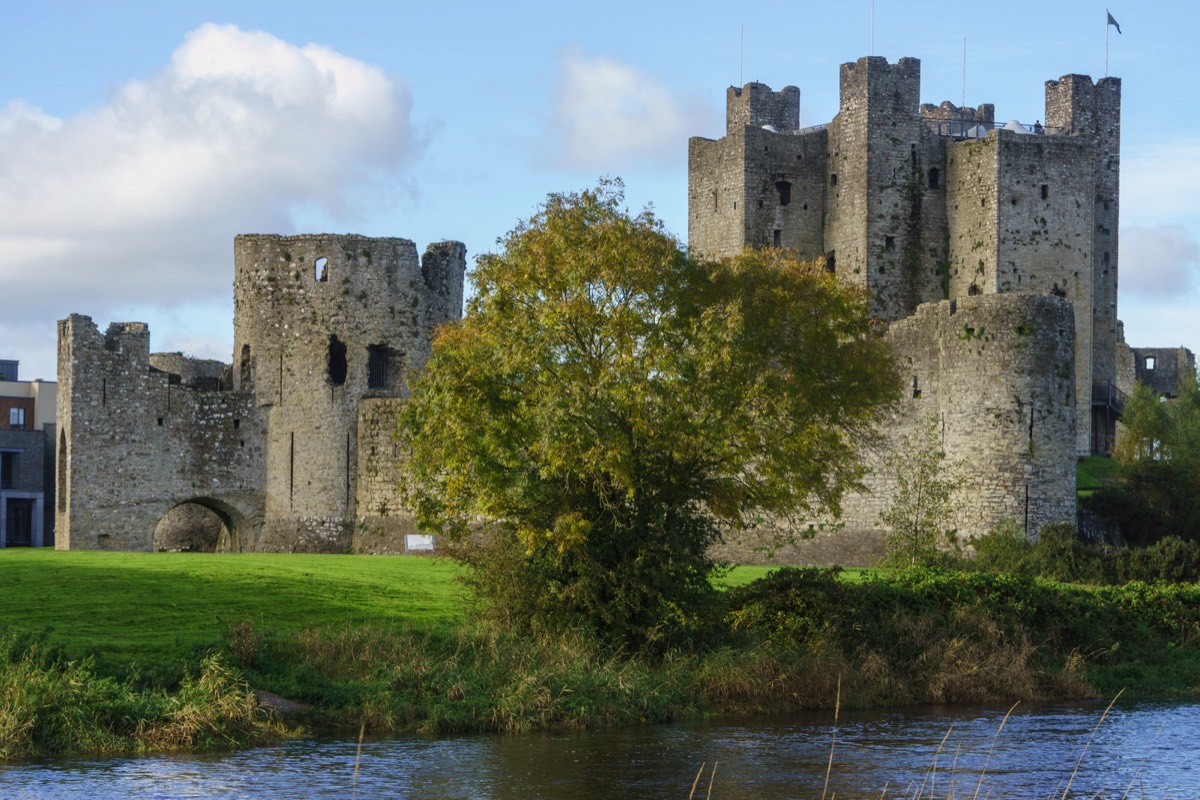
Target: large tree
[(1157, 491), (608, 405)]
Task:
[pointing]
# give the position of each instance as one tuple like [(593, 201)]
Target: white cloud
[(1158, 184), (609, 115), (137, 202), (1159, 261)]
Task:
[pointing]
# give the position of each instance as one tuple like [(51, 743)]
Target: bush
[(1169, 559)]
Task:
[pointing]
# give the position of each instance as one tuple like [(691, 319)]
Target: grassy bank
[(114, 651)]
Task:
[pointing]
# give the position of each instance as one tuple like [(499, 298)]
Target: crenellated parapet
[(270, 443)]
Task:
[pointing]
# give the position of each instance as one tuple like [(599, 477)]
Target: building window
[(785, 192), (8, 468), (935, 178), (778, 238), (321, 271), (833, 179), (16, 418), (1045, 191), (377, 367), (1151, 362), (889, 243), (337, 361)]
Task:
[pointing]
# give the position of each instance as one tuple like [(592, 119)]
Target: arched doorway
[(199, 525)]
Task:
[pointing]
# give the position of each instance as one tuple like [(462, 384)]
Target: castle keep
[(287, 449), (991, 251)]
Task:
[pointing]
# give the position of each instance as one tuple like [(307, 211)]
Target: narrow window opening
[(8, 469), (337, 361), (244, 367), (831, 261), (237, 423), (321, 269), (1151, 362), (377, 367), (160, 421), (777, 238), (1045, 191), (60, 488), (833, 179), (291, 469), (716, 203), (982, 202), (889, 243), (785, 192), (916, 389), (973, 290), (935, 178)]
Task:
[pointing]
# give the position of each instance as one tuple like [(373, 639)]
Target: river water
[(1149, 751)]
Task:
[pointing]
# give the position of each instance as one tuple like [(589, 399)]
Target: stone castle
[(989, 250), (289, 448)]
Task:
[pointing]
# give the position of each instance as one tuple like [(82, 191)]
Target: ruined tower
[(290, 445), (322, 323)]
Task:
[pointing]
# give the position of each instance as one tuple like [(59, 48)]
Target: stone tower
[(290, 445), (320, 324), (918, 203), (989, 249)]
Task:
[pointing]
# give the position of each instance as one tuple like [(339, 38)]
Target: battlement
[(1078, 106), (882, 87), (756, 105), (271, 444)]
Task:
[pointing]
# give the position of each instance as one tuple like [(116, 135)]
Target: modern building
[(27, 473)]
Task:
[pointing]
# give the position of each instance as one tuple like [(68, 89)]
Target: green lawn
[(1093, 472), (157, 609), (153, 607)]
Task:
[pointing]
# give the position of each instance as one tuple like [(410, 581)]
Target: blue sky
[(137, 138)]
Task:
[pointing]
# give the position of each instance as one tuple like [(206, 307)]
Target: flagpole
[(1108, 16), (872, 27)]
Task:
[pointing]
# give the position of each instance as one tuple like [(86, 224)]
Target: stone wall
[(322, 324), (1163, 369), (134, 443), (382, 524), (1008, 438)]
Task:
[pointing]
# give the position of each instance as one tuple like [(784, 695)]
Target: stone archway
[(200, 525)]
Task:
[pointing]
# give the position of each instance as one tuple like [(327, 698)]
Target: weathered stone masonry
[(991, 252), (326, 330)]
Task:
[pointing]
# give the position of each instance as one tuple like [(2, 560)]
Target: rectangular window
[(16, 418), (377, 367), (8, 468), (1045, 191), (778, 238), (1151, 362), (889, 243)]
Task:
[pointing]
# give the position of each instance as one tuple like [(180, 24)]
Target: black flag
[(1113, 22)]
